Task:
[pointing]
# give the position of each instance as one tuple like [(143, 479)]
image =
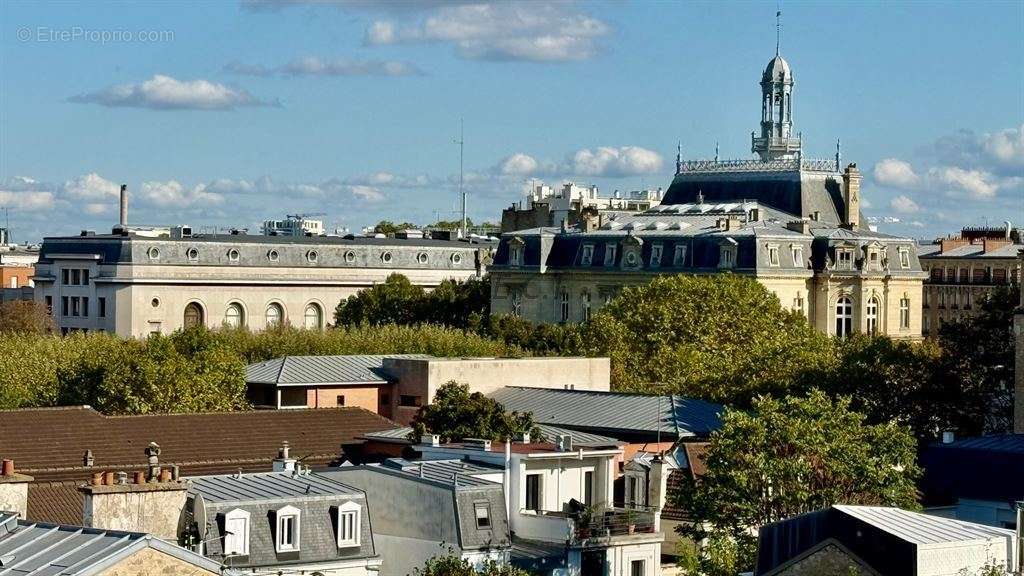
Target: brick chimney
[(152, 503), (13, 489), (851, 196)]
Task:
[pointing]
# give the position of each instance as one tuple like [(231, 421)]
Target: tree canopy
[(456, 414), (388, 227), (24, 317), (450, 564), (790, 456), (454, 303)]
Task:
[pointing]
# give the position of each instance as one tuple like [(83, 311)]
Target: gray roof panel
[(266, 486), (302, 370), (922, 529)]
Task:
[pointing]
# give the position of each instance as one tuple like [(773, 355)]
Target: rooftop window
[(236, 533), (348, 524), (288, 529)]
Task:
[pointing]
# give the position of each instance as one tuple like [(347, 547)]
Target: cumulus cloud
[(895, 172), (1005, 147), (171, 194), (612, 162), (313, 66), (904, 205), (388, 179), (166, 93), (519, 164), (91, 186), (367, 193), (977, 184), (538, 31)]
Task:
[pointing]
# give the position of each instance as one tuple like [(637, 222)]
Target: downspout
[(508, 480)]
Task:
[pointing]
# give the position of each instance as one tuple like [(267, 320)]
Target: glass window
[(679, 257), (63, 305), (234, 317), (844, 259), (85, 306), (193, 315), (236, 533), (515, 298), (275, 315), (637, 568), (563, 306), (410, 401), (904, 313), (844, 317), (585, 306), (798, 303), (288, 528), (85, 277), (348, 525), (656, 255), (609, 254), (798, 256), (313, 317), (904, 259), (588, 487), (49, 305), (533, 492), (102, 313), (76, 277), (872, 316), (588, 255), (726, 257), (483, 515), (773, 255), (65, 276)]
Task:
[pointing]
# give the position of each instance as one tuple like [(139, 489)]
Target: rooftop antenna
[(462, 193), (778, 28), (716, 150)]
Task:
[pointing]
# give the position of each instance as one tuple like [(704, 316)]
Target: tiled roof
[(298, 370), (49, 443), (34, 549), (611, 412), (266, 486), (59, 502)]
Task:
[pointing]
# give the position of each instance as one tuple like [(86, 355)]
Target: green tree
[(456, 414), (460, 304), (792, 456), (395, 301), (721, 337), (24, 317), (450, 564), (389, 228)]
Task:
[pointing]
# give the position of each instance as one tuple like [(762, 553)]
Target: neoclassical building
[(792, 223), (135, 284)]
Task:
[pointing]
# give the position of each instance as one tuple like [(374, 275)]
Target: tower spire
[(778, 30), (679, 156)]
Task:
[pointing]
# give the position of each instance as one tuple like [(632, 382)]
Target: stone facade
[(151, 508), (828, 560), (150, 562), (136, 285), (14, 494)]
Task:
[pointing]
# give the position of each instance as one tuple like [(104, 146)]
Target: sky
[(224, 114)]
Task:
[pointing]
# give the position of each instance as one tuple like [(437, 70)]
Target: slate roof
[(614, 412), (302, 370), (970, 251), (37, 549), (266, 486), (49, 444)]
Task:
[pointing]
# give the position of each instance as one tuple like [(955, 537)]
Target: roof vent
[(477, 444)]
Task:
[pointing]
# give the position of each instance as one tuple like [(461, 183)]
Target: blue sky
[(227, 113)]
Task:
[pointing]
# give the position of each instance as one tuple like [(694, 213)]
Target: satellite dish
[(199, 514)]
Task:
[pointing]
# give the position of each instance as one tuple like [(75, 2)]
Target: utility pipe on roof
[(508, 479)]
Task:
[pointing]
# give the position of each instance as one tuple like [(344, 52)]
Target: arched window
[(872, 316), (234, 317), (844, 317), (193, 315), (515, 298), (275, 315), (585, 306), (313, 317), (563, 306)]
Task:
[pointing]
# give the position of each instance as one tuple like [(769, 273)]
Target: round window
[(233, 255), (631, 258), (350, 256), (273, 256), (312, 255), (154, 254), (386, 257), (456, 258), (193, 254), (155, 302), (421, 257)]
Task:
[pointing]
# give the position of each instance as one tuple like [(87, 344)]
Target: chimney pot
[(122, 478), (165, 475), (108, 478), (97, 478), (8, 467), (175, 472), (140, 477)]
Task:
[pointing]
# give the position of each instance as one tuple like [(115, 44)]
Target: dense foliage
[(787, 457), (24, 317), (456, 414), (459, 304), (389, 228), (197, 369), (450, 564)]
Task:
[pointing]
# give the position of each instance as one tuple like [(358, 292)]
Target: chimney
[(851, 196), (284, 462), (153, 507), (124, 206), (13, 489), (477, 444), (657, 488), (802, 226)]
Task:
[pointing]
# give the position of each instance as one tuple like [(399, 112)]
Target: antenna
[(462, 193), (778, 28), (716, 150)]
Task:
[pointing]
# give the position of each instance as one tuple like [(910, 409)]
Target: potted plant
[(583, 522), (630, 520)]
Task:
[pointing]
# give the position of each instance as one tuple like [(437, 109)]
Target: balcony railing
[(604, 523)]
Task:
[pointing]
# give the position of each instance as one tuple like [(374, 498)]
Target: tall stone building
[(1018, 330), (791, 222)]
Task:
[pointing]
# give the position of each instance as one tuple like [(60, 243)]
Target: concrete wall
[(152, 562), (14, 495), (151, 508), (620, 558)]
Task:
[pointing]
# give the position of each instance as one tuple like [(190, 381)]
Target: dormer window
[(288, 529), (588, 255), (773, 255), (482, 511), (656, 250), (904, 258), (515, 252), (609, 254), (727, 254), (798, 255), (236, 533), (844, 259), (349, 524), (679, 257)]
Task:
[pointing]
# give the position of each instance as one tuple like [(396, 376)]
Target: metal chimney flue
[(124, 205)]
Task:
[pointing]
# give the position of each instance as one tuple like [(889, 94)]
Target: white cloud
[(895, 172), (978, 184), (96, 209), (539, 31), (612, 162), (26, 200), (366, 193), (904, 204), (91, 186), (166, 93), (172, 194), (313, 66), (519, 164), (378, 179), (1006, 146)]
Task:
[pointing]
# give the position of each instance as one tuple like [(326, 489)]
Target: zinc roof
[(298, 370), (922, 529), (266, 486), (613, 411), (449, 472)]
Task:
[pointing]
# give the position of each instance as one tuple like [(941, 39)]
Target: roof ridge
[(280, 369)]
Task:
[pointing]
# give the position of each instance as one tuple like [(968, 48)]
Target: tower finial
[(839, 156), (778, 29), (716, 150), (679, 156)]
